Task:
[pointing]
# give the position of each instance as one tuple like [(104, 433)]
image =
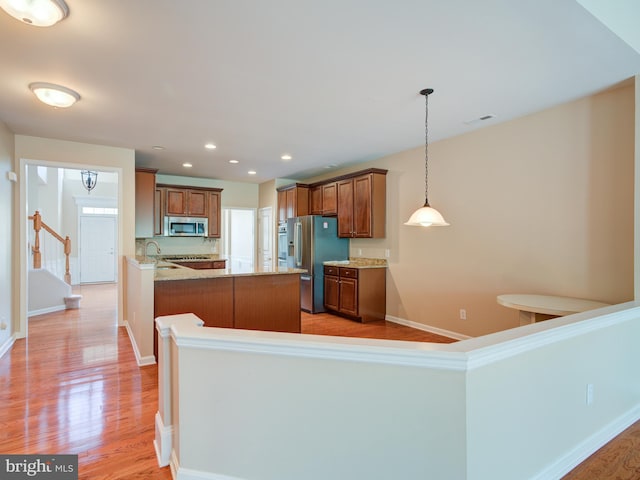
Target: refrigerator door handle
[(298, 244)]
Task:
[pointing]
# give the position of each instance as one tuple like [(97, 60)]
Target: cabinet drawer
[(331, 270), (349, 272)]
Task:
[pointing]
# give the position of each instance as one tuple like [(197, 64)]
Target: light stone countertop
[(359, 262), (170, 271)]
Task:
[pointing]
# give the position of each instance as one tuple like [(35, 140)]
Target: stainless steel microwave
[(185, 227)]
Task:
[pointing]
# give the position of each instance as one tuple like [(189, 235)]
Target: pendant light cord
[(426, 92)]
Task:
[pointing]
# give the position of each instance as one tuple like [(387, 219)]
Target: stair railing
[(38, 225)]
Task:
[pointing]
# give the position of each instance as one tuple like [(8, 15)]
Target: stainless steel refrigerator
[(313, 240)]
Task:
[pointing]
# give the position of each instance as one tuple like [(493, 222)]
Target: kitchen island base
[(251, 302)]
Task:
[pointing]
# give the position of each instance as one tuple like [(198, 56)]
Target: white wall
[(503, 406), (7, 291)]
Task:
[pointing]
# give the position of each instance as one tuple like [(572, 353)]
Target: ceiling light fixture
[(54, 95), (286, 156), (234, 161), (187, 165), (89, 179), (426, 216), (251, 172), (158, 147), (210, 146), (39, 13)]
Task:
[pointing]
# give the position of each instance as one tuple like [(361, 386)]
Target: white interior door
[(97, 248), (265, 237)]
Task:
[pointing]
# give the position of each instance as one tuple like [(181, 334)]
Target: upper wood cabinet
[(145, 201), (191, 202), (330, 199), (186, 202), (214, 213), (361, 204), (358, 199), (295, 201), (315, 199), (282, 206), (158, 212)]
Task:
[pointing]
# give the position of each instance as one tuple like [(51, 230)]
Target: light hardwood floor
[(74, 387)]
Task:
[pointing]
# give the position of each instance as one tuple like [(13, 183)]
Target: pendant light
[(89, 179), (426, 216)]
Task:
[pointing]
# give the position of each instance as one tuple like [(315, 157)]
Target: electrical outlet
[(463, 314), (589, 398)]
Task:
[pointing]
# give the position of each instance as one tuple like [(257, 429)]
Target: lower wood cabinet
[(358, 293)]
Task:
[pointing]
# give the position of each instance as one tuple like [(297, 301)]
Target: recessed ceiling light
[(210, 146), (158, 147), (233, 161), (187, 165), (54, 95), (286, 156), (39, 13), (251, 172), (331, 165)]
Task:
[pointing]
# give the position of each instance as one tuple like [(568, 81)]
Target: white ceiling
[(331, 82)]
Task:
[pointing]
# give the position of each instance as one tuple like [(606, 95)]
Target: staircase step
[(72, 301)]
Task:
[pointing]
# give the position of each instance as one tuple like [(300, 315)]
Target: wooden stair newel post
[(67, 252), (37, 225)]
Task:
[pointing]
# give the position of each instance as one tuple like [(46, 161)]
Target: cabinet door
[(145, 188), (197, 203), (349, 296), (362, 206), (176, 202), (214, 215), (282, 207), (158, 212), (332, 292), (330, 199), (316, 200), (291, 203), (345, 208)]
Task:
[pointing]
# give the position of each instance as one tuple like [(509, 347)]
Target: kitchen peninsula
[(253, 299)]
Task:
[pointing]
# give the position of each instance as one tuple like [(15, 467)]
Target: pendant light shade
[(39, 13), (426, 216)]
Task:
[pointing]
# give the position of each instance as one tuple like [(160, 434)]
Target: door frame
[(23, 225), (269, 216)]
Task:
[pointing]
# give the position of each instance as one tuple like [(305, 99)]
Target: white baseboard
[(140, 360), (588, 446), (4, 348), (163, 442), (426, 328), (42, 311), (180, 473)]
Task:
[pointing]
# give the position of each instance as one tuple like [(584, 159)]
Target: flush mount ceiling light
[(54, 95), (426, 216), (251, 172), (286, 156), (39, 13), (89, 179), (233, 161), (187, 165), (210, 146)]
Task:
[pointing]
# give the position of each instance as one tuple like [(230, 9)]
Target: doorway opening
[(239, 238)]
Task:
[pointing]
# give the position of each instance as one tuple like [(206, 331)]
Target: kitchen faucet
[(151, 242)]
